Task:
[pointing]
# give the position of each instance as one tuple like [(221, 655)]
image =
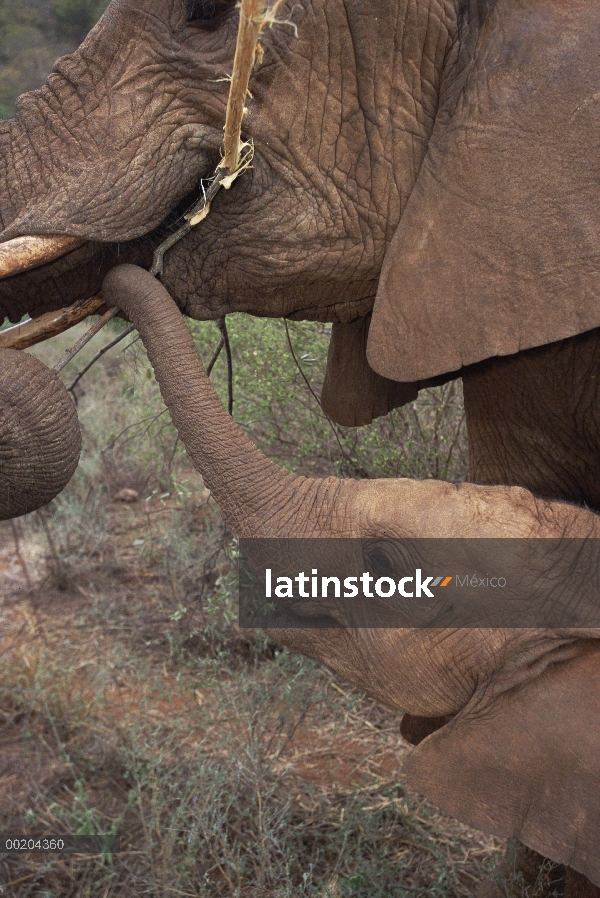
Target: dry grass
[(242, 771)]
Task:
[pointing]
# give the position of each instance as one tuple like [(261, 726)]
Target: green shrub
[(276, 402)]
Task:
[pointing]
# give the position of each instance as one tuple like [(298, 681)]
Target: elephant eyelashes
[(208, 14)]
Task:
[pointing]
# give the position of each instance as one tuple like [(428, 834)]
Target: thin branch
[(316, 398), (194, 216), (17, 541), (215, 356), (198, 212), (83, 341), (454, 443), (222, 325), (135, 340), (150, 418), (99, 355), (57, 563), (175, 445)]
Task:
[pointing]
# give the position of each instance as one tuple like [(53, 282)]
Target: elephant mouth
[(22, 258), (21, 254)]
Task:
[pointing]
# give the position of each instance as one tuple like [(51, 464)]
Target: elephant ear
[(498, 249), (529, 766), (353, 394)]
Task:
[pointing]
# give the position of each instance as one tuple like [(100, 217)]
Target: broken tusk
[(21, 336), (23, 253)]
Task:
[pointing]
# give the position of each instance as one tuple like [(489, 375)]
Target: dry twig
[(343, 451), (222, 325), (98, 356), (22, 336), (20, 558), (83, 341), (215, 356)]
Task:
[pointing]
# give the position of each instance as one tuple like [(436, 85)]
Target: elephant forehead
[(436, 509)]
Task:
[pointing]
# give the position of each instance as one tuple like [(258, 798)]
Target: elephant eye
[(208, 14)]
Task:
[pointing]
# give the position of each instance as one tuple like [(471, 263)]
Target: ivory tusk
[(23, 253), (21, 336)]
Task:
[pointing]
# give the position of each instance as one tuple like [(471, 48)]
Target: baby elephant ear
[(498, 248), (528, 766)]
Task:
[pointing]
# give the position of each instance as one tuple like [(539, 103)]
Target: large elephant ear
[(498, 248), (529, 766)]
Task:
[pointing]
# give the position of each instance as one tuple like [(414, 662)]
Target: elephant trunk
[(40, 440), (256, 496)]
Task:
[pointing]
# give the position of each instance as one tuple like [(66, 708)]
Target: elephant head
[(432, 164), (518, 755)]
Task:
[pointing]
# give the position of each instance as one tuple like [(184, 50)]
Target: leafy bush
[(276, 401)]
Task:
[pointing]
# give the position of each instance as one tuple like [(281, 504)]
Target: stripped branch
[(22, 336), (252, 21)]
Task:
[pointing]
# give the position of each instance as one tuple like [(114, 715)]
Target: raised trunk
[(256, 496)]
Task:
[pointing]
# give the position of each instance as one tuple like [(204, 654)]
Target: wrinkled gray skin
[(342, 116), (125, 128)]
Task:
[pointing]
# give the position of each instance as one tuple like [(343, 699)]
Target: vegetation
[(33, 33)]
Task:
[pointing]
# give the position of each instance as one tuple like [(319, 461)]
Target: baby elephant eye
[(208, 13)]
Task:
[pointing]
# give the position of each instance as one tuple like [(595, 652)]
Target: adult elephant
[(425, 177), (431, 163)]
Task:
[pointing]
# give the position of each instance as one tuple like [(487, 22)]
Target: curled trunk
[(256, 496), (40, 440)]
